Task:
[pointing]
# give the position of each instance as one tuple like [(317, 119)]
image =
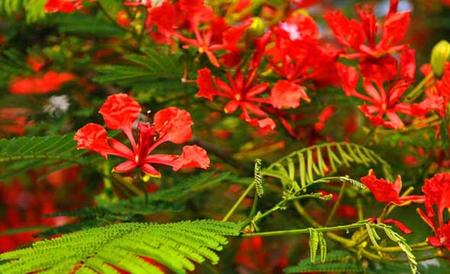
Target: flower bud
[(257, 27), (440, 54)]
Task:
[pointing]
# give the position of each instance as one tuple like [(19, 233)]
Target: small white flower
[(57, 105), (292, 29)]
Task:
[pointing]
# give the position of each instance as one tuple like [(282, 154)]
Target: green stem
[(360, 209), (302, 212), (285, 201), (254, 206), (370, 135), (238, 202), (417, 246), (418, 89), (304, 230)]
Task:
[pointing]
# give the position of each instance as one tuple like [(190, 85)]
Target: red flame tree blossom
[(120, 112)]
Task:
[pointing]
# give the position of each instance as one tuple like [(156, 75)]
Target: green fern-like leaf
[(152, 70), (300, 168), (31, 152), (34, 9), (11, 64), (395, 237), (175, 245), (258, 178), (316, 242), (97, 26), (337, 261), (308, 266)]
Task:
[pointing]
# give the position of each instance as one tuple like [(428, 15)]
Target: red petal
[(205, 84), (163, 16), (394, 120), (120, 149), (434, 241), (233, 35), (348, 32), (349, 78), (257, 89), (266, 124), (231, 106), (120, 111), (408, 64), (368, 20), (93, 137), (192, 157), (394, 29), (286, 94), (125, 167), (173, 124), (162, 159), (403, 228), (148, 169)]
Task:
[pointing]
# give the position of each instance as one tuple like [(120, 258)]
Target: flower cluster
[(436, 200), (437, 191), (265, 69), (120, 112)]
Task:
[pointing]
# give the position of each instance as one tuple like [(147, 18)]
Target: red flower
[(384, 103), (437, 91), (241, 91), (388, 192), (49, 82), (64, 6), (361, 35), (297, 55), (437, 193), (204, 30), (206, 40), (170, 125)]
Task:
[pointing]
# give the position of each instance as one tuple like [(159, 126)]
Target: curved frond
[(300, 168), (31, 152), (125, 246), (34, 9)]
